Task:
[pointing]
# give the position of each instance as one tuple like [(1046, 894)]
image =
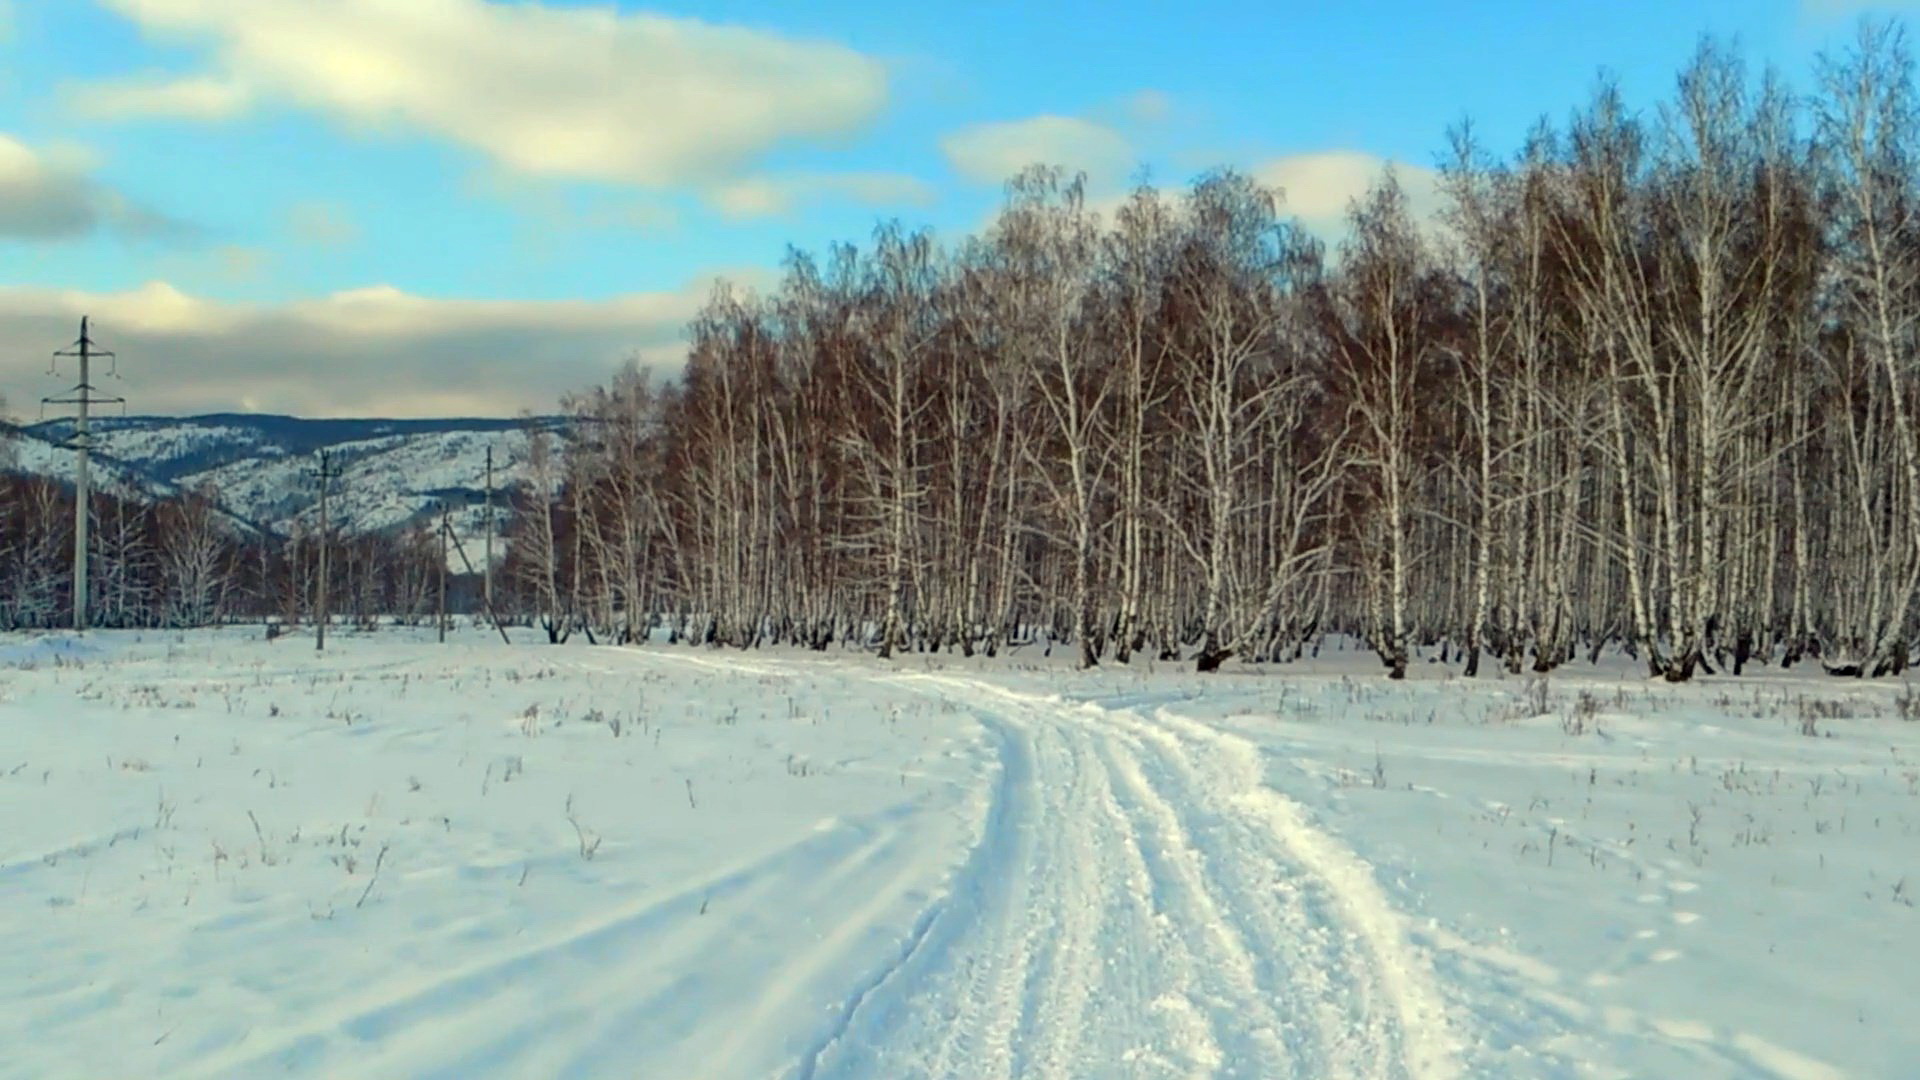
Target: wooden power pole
[(460, 549), (446, 529), (486, 566), (326, 475), (83, 397)]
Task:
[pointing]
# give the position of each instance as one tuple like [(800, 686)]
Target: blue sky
[(411, 206)]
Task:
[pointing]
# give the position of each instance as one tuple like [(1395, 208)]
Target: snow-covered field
[(223, 856)]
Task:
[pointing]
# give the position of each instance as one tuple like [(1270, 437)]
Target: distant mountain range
[(261, 467)]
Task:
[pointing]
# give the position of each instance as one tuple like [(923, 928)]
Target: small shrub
[(1582, 714), (1907, 704)]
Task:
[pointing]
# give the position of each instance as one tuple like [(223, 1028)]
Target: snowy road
[(1142, 906), (1139, 904)]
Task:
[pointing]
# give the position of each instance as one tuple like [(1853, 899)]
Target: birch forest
[(182, 562), (1647, 384), (179, 562)]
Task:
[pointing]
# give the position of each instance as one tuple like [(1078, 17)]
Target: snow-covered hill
[(262, 468), (385, 482), (38, 454)]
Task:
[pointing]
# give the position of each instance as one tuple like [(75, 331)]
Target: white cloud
[(241, 263), (572, 92), (364, 352), (43, 197), (551, 209), (1148, 107), (627, 217), (764, 196), (993, 152), (1319, 186), (50, 194), (194, 98), (322, 224)]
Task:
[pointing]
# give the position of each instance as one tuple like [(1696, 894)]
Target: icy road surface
[(221, 856)]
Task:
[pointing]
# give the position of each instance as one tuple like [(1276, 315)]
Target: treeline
[(1649, 382), (181, 562)]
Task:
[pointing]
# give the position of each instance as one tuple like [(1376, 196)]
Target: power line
[(83, 397)]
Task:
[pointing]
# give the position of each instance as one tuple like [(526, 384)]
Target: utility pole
[(486, 569), (83, 398), (446, 528), (460, 549), (326, 475)]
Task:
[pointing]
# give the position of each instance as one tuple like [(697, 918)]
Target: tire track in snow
[(1263, 948), (1186, 1025), (405, 1027), (1003, 985), (1138, 904), (1220, 975), (977, 893), (1231, 766), (1301, 952)]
